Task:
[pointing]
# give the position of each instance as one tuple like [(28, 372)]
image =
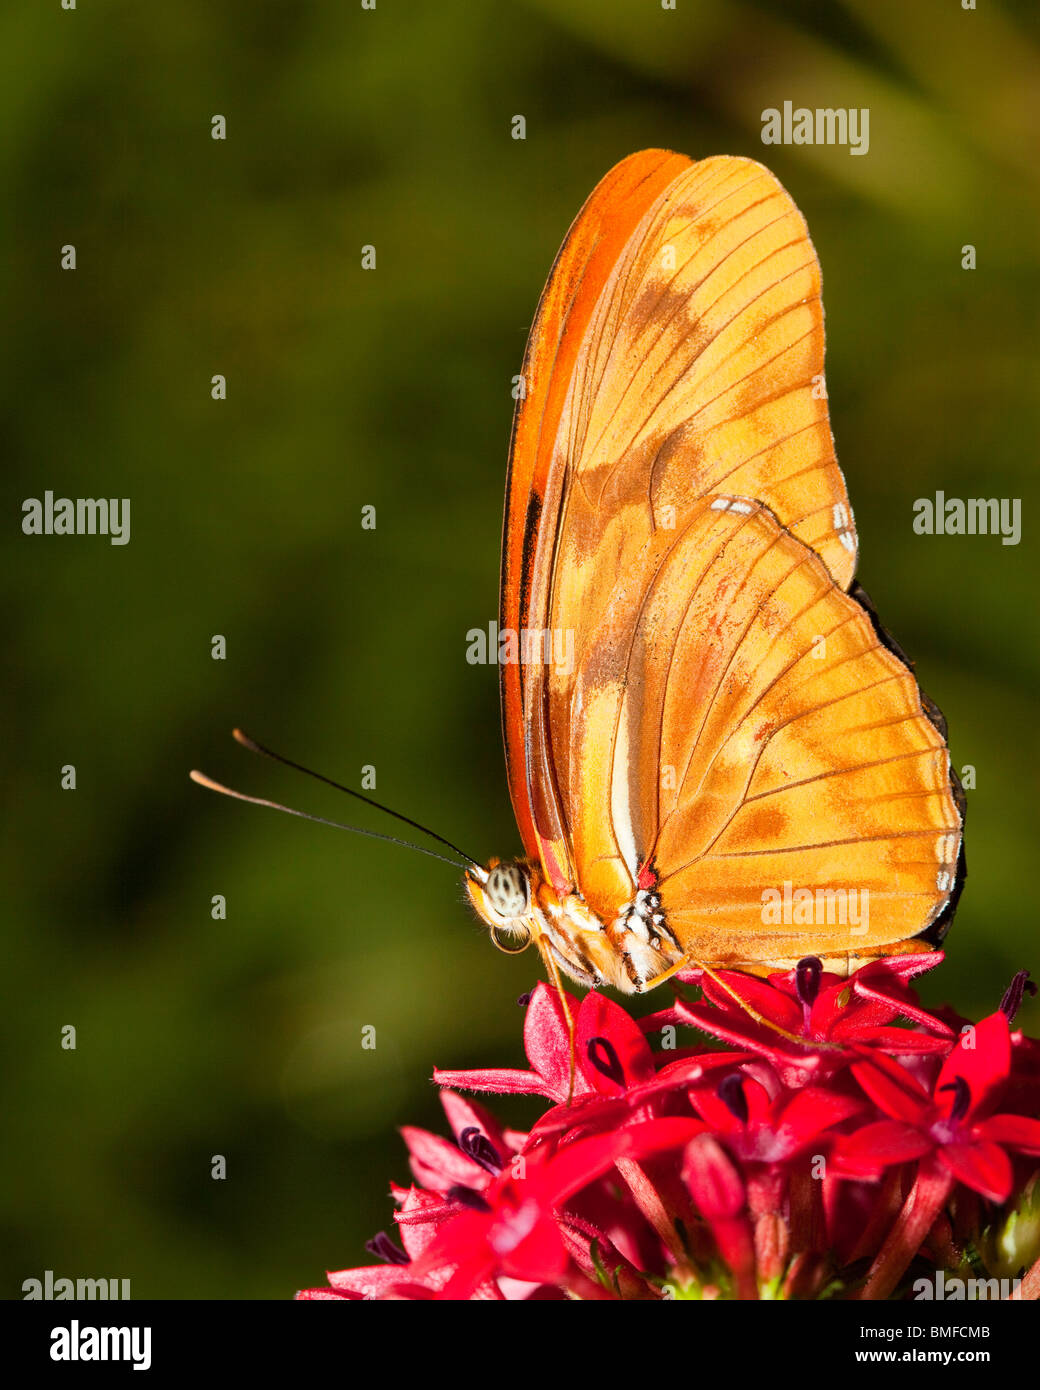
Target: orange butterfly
[(712, 745)]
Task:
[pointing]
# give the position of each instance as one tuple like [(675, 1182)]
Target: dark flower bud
[(475, 1144), (807, 975), (467, 1197), (1012, 1000), (385, 1249), (731, 1093)]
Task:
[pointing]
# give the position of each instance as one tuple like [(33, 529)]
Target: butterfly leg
[(644, 942), (682, 964)]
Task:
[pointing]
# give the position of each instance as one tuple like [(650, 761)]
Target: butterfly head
[(501, 896), (520, 907)]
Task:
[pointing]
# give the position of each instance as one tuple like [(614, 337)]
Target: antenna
[(255, 747), (208, 782)]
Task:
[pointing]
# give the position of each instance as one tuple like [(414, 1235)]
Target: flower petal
[(896, 969), (893, 1089), (897, 1042), (576, 1165), (983, 1166), (466, 1114), (982, 1058), (715, 1185), (371, 1282), (612, 1051), (888, 1006), (547, 1041), (438, 1163), (795, 1066), (502, 1081), (773, 1004), (812, 1111), (1012, 1131), (421, 1216), (870, 1150)]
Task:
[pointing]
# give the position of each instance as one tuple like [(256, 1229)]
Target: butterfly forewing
[(702, 369), (678, 349), (539, 475)]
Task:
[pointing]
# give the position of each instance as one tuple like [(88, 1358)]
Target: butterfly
[(716, 755)]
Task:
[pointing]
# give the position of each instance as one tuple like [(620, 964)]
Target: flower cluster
[(842, 1142)]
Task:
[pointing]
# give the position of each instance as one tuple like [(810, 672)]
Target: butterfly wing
[(677, 356), (739, 726), (541, 472), (677, 349)]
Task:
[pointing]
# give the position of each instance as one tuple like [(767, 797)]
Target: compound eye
[(508, 891)]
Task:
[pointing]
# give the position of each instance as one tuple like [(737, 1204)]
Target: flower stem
[(923, 1204), (649, 1202)]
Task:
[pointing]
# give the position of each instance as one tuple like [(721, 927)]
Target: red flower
[(831, 1137), (615, 1077), (546, 1042), (954, 1121), (758, 1127), (823, 1016), (517, 1233), (480, 1150)]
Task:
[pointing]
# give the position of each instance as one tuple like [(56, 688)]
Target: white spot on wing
[(946, 848), (732, 504), (620, 803)]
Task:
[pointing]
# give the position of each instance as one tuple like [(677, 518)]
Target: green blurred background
[(345, 647)]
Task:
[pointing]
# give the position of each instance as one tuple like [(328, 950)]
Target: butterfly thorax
[(630, 952)]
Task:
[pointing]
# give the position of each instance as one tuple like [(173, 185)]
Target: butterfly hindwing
[(740, 728)]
